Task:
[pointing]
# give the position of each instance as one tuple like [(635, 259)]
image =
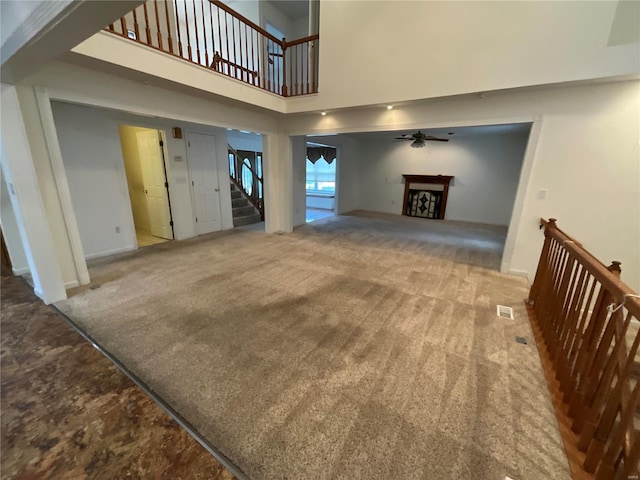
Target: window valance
[(315, 153)]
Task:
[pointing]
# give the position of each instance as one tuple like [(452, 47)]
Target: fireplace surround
[(425, 196)]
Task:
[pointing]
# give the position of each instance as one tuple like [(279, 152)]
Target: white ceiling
[(514, 128)]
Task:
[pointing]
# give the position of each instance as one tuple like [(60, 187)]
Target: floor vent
[(521, 340), (504, 312)]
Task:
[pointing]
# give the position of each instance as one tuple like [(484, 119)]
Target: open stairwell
[(243, 212)]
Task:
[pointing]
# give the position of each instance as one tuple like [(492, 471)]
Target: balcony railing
[(210, 34), (585, 320)]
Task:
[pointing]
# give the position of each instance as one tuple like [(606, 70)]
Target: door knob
[(217, 189)]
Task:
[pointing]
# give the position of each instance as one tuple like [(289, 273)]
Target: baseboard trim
[(519, 273), (190, 429), (21, 271), (71, 284), (110, 252)]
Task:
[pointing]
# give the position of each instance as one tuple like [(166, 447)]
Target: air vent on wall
[(504, 312)]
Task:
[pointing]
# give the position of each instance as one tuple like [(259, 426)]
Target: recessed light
[(389, 107), (323, 113)]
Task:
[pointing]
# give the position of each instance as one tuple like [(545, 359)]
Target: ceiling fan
[(419, 139)]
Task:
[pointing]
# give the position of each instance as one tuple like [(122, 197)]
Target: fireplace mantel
[(443, 180)]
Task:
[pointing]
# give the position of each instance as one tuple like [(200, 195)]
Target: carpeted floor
[(69, 414), (361, 346)]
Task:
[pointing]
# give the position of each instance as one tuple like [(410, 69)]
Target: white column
[(299, 178), (31, 219), (278, 180)]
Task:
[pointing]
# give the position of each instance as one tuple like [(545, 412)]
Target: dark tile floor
[(68, 413)]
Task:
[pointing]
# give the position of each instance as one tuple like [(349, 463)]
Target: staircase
[(243, 212)]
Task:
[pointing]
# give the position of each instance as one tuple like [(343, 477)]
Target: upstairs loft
[(211, 34)]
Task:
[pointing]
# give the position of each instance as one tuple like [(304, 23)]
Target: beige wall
[(135, 181)]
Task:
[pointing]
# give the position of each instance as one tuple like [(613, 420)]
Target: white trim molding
[(60, 176)]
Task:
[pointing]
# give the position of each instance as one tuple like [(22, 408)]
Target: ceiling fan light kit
[(419, 139)]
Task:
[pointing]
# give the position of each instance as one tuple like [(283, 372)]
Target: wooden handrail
[(298, 41), (614, 285), (244, 19), (580, 313)]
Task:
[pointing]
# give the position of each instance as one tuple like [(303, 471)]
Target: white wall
[(91, 150), (247, 8), (486, 170), (10, 231), (300, 28), (250, 142), (93, 163), (272, 16), (586, 157), (439, 48)]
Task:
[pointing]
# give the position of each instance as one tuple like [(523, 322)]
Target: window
[(321, 176)]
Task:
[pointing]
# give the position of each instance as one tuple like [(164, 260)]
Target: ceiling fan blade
[(436, 139), (404, 138)]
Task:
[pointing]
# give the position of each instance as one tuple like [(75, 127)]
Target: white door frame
[(60, 176)]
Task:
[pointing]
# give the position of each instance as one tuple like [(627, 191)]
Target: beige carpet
[(363, 346)]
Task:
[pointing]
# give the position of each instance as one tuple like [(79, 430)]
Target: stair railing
[(242, 172), (585, 322), (211, 34)]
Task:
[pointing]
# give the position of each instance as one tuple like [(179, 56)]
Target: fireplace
[(425, 196)]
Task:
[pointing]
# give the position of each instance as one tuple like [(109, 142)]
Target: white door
[(203, 168), (155, 189)]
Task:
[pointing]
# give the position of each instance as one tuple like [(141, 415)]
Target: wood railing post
[(169, 37), (147, 30), (159, 32), (285, 92), (136, 29)]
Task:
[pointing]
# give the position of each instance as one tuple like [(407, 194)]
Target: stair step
[(246, 220), (235, 194), (239, 202), (243, 211)]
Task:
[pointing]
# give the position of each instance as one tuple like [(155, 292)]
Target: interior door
[(203, 168), (155, 188)]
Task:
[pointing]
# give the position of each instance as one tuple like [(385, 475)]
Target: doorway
[(320, 181), (146, 172)]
